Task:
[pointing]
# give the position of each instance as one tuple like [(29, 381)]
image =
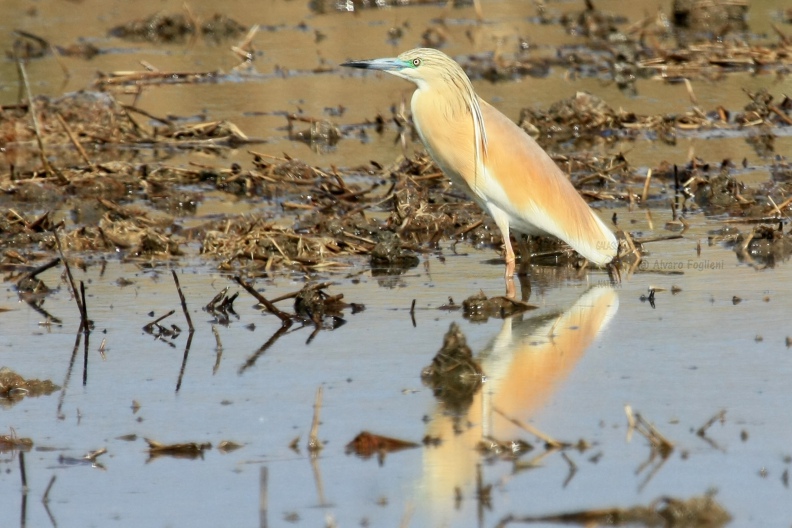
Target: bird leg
[(524, 243), (502, 221), (511, 291)]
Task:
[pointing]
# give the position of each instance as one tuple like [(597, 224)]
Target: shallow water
[(568, 368), (719, 343)]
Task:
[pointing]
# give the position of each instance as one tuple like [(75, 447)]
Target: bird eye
[(416, 62)]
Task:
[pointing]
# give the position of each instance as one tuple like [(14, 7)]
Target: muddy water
[(714, 340)]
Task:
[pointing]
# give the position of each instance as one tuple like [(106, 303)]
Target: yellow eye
[(416, 62)]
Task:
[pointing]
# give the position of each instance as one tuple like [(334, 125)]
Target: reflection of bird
[(525, 365), (502, 168)]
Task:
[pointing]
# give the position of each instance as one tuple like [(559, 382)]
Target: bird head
[(423, 66)]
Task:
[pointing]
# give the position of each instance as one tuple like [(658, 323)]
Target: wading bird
[(497, 164)]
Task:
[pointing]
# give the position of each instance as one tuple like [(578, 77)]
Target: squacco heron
[(497, 164)]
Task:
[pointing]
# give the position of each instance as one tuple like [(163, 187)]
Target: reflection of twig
[(630, 422), (572, 468), (45, 500), (62, 396), (87, 332), (314, 444), (263, 348), (534, 462), (660, 446), (702, 431), (22, 472), (218, 349), (184, 359), (547, 439), (652, 456), (483, 495), (263, 496), (318, 480)]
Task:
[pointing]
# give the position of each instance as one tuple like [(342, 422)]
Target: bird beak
[(377, 64)]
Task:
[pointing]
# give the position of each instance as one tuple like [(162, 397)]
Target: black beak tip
[(355, 64)]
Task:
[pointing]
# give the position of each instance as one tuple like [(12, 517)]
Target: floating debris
[(189, 450), (367, 444), (503, 449), (28, 46), (765, 245), (480, 308), (88, 459), (12, 442), (388, 257), (226, 446), (669, 512), (314, 304), (14, 387)]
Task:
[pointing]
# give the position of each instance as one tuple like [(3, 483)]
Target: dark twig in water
[(412, 313), (83, 314), (292, 295), (86, 331), (283, 316), (155, 322), (41, 269), (183, 302)]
